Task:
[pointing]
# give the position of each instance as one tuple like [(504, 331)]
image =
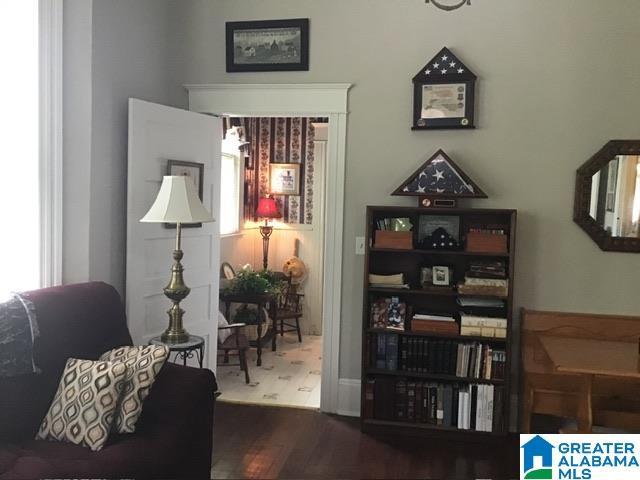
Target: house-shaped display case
[(444, 94)]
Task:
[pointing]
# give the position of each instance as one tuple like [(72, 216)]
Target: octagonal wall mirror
[(607, 200)]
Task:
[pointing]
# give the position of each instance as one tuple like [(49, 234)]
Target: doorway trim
[(303, 100)]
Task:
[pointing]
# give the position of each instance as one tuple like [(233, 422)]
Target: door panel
[(157, 134)]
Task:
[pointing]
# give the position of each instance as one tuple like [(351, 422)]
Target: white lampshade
[(177, 202)]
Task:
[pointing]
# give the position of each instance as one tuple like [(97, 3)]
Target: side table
[(194, 346)]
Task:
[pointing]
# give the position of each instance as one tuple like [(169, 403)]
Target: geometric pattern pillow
[(143, 364), (83, 407)]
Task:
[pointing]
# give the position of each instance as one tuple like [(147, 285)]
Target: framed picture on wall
[(268, 45), (284, 178), (193, 170)]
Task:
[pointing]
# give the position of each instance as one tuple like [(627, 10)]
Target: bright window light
[(19, 182), (229, 194)]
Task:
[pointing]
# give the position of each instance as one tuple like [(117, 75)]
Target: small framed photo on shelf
[(441, 275), (284, 178), (426, 277), (268, 45), (192, 170)]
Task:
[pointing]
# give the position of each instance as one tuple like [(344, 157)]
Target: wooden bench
[(616, 401)]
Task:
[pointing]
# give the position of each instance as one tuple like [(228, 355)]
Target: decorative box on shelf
[(486, 242), (392, 239)]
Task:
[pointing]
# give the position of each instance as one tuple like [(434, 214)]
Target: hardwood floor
[(272, 442)]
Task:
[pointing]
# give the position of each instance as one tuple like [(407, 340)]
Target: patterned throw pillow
[(143, 364), (83, 408)]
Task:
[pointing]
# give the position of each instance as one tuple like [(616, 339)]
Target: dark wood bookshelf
[(442, 300), (433, 376)]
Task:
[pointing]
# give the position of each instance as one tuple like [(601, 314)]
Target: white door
[(157, 134)]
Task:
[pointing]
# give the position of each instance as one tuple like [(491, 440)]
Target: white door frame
[(302, 100)]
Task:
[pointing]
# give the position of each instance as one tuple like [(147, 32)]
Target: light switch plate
[(359, 245)]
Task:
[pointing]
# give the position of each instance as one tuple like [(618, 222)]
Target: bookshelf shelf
[(462, 338), (429, 427), (439, 252), (445, 292), (386, 391), (433, 376)]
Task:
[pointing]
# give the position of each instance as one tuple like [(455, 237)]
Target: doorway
[(257, 152), (296, 100)]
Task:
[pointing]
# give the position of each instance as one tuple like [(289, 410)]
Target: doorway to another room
[(271, 251)]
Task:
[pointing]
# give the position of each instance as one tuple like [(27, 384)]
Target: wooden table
[(588, 358), (266, 301)]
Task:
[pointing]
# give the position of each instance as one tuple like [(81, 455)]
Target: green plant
[(248, 280)]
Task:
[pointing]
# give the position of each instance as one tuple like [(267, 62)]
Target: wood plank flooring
[(271, 442)]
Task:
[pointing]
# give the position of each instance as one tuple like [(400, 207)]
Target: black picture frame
[(296, 49), (181, 167), (450, 85)]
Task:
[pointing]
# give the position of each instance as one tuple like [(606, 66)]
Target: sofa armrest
[(179, 409)]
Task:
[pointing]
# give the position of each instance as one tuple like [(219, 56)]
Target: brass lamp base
[(176, 291)]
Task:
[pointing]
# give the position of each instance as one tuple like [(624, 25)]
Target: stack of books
[(485, 278), (425, 322), (473, 325), (470, 407), (384, 351)]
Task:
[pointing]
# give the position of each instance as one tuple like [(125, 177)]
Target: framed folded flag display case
[(444, 94)]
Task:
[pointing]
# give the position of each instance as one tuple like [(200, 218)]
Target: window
[(30, 192), (19, 192), (230, 194)]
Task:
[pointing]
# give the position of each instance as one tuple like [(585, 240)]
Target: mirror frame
[(583, 197)]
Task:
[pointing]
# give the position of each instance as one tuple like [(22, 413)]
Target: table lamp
[(177, 202), (267, 209)]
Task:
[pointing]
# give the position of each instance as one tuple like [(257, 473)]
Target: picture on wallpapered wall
[(284, 178)]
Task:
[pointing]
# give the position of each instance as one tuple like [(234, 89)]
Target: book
[(434, 326), (383, 394), (400, 400), (447, 403), (379, 313), (440, 404), (381, 351), (437, 318), (396, 314), (391, 352), (369, 398)]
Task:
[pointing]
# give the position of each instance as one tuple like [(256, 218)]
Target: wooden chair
[(290, 310), (236, 342), (616, 402)]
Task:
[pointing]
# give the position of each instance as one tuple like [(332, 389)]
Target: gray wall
[(116, 49), (557, 80)]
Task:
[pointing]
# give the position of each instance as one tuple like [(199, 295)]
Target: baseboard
[(349, 397)]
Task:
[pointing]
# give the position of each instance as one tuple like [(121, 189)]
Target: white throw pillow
[(85, 403), (143, 364)]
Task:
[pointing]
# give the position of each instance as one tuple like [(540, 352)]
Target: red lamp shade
[(267, 208)]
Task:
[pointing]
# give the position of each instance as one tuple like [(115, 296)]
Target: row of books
[(469, 407), (437, 356)]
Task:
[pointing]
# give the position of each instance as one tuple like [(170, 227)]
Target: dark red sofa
[(174, 434)]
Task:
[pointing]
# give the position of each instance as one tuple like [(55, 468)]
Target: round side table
[(194, 346)]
